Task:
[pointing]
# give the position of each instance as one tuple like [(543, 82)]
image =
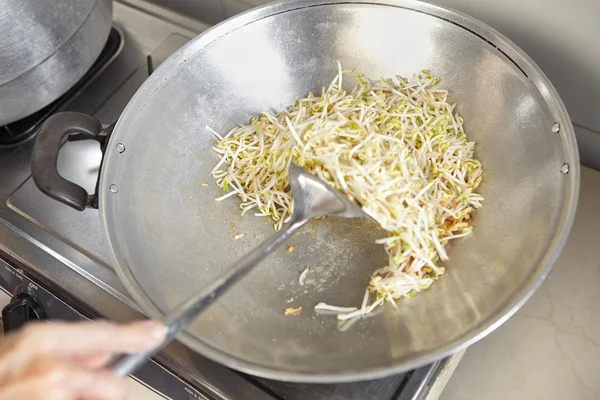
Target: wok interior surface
[(170, 238)]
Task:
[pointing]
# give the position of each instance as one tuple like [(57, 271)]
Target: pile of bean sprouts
[(395, 146)]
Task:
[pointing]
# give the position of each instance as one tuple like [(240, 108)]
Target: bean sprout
[(394, 146), (303, 276)]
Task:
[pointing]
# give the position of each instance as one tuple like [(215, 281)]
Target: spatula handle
[(180, 317)]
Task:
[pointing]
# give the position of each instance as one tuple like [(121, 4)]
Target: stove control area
[(21, 309)]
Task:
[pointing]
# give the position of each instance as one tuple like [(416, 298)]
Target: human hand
[(67, 361)]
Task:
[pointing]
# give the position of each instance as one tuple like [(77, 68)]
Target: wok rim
[(504, 311)]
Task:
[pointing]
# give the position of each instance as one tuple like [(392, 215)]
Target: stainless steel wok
[(168, 237)]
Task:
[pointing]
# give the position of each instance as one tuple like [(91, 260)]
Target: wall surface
[(561, 36)]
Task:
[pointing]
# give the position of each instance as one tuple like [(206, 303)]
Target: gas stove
[(53, 259)]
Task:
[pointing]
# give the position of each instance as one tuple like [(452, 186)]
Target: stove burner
[(17, 132)]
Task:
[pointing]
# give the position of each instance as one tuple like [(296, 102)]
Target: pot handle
[(74, 126)]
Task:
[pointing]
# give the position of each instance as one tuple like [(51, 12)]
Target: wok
[(168, 237)]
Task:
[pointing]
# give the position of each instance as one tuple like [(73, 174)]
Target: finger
[(94, 361), (104, 385), (97, 337), (51, 379), (11, 358)]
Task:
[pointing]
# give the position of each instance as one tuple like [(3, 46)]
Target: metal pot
[(168, 237), (45, 48)]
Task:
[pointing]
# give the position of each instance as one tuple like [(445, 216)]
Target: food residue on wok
[(293, 311), (303, 276)]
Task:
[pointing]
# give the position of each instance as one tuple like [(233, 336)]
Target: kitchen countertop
[(550, 349)]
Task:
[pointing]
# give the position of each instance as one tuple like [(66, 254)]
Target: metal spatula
[(312, 198)]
